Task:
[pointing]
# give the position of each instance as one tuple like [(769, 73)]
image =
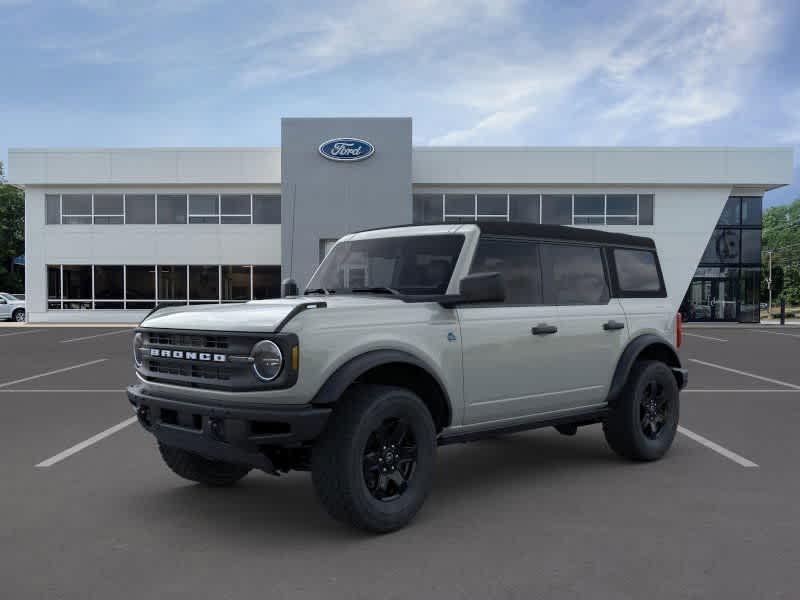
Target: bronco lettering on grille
[(181, 354)]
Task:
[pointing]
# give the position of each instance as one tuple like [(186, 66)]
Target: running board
[(577, 418)]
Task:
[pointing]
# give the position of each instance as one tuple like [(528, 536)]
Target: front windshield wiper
[(376, 290), (320, 291)]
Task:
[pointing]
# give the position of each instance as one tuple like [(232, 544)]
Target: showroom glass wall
[(726, 285), (138, 287)]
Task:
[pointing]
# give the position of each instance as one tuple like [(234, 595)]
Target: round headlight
[(138, 343), (267, 360)]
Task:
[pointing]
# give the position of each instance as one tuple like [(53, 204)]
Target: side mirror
[(482, 287), (289, 288)]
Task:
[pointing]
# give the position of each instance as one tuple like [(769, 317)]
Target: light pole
[(769, 285)]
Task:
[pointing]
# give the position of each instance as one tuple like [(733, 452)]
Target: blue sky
[(470, 72)]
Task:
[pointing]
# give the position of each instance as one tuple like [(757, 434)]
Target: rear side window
[(518, 262), (637, 272), (573, 275)]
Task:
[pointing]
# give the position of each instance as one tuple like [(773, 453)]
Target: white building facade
[(111, 233)]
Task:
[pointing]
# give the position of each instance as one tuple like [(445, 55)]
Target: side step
[(588, 417)]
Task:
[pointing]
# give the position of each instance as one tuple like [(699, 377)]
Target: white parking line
[(86, 443), (740, 460), (794, 335), (705, 337), (745, 373), (24, 379), (91, 337), (22, 332)]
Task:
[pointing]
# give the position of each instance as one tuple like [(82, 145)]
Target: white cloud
[(496, 122)]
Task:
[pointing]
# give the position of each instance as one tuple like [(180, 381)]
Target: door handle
[(612, 325), (543, 329)]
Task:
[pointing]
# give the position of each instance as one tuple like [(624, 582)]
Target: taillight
[(678, 330)]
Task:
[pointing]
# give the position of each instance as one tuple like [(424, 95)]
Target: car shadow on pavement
[(273, 510)]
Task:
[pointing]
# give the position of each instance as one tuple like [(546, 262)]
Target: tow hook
[(143, 414)]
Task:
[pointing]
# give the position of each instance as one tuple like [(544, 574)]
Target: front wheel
[(19, 315), (643, 420), (373, 465)]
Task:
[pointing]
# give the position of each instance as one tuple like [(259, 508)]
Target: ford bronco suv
[(408, 338)]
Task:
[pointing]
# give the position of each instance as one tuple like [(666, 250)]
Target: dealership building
[(111, 233)]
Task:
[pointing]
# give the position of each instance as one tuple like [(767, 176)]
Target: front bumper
[(236, 435)]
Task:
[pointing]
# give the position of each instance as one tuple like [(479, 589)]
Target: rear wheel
[(19, 315), (642, 422), (200, 469), (373, 466)]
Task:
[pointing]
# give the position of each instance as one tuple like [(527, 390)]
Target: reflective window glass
[(171, 209), (266, 281), (53, 209), (108, 282), (77, 282), (646, 209), (730, 214), (140, 282), (266, 209), (573, 275), (723, 247), (524, 208), (235, 282), (517, 262), (203, 282), (751, 211), (140, 209), (557, 209), (427, 208), (171, 282)]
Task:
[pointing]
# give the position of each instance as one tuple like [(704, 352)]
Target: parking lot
[(87, 509)]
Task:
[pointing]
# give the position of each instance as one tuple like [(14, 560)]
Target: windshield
[(403, 265)]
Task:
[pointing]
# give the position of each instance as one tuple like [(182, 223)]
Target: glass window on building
[(235, 209), (140, 282), (557, 209), (108, 282), (589, 209), (172, 284), (204, 208), (723, 247), (54, 287), (140, 209), (524, 208), (235, 283), (77, 286), (267, 209), (459, 208), (203, 283), (731, 213), (53, 209), (266, 281), (492, 207), (713, 295), (108, 209), (171, 209), (751, 246), (427, 208), (646, 209), (76, 209), (751, 211)]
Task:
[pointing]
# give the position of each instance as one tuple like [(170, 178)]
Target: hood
[(258, 316)]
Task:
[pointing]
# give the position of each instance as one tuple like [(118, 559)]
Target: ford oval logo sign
[(345, 149)]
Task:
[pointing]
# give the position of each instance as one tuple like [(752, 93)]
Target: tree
[(12, 235), (781, 235)]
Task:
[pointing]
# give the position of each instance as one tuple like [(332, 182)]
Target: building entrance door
[(711, 300)]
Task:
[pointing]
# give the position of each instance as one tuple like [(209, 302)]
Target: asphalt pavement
[(528, 515)]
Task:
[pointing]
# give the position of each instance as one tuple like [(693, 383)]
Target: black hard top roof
[(564, 232), (549, 232)]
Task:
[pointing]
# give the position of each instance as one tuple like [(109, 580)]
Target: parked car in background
[(12, 308)]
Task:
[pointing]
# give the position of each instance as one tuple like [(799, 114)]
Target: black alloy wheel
[(390, 459), (654, 406)]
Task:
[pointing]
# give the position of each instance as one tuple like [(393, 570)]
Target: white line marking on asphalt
[(22, 332), (794, 335), (91, 337), (101, 391), (740, 460), (754, 376), (705, 337), (739, 391), (86, 443), (24, 379)]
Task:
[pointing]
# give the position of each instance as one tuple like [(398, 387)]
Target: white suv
[(12, 308), (412, 337)]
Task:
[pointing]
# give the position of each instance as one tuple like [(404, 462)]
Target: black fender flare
[(633, 350), (346, 374)]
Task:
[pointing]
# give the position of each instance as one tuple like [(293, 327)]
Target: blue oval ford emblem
[(346, 149)]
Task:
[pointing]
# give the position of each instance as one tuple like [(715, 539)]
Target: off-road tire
[(200, 469), (18, 315), (623, 427), (338, 467)]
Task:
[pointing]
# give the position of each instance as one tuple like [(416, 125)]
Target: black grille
[(210, 342), (194, 371)]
